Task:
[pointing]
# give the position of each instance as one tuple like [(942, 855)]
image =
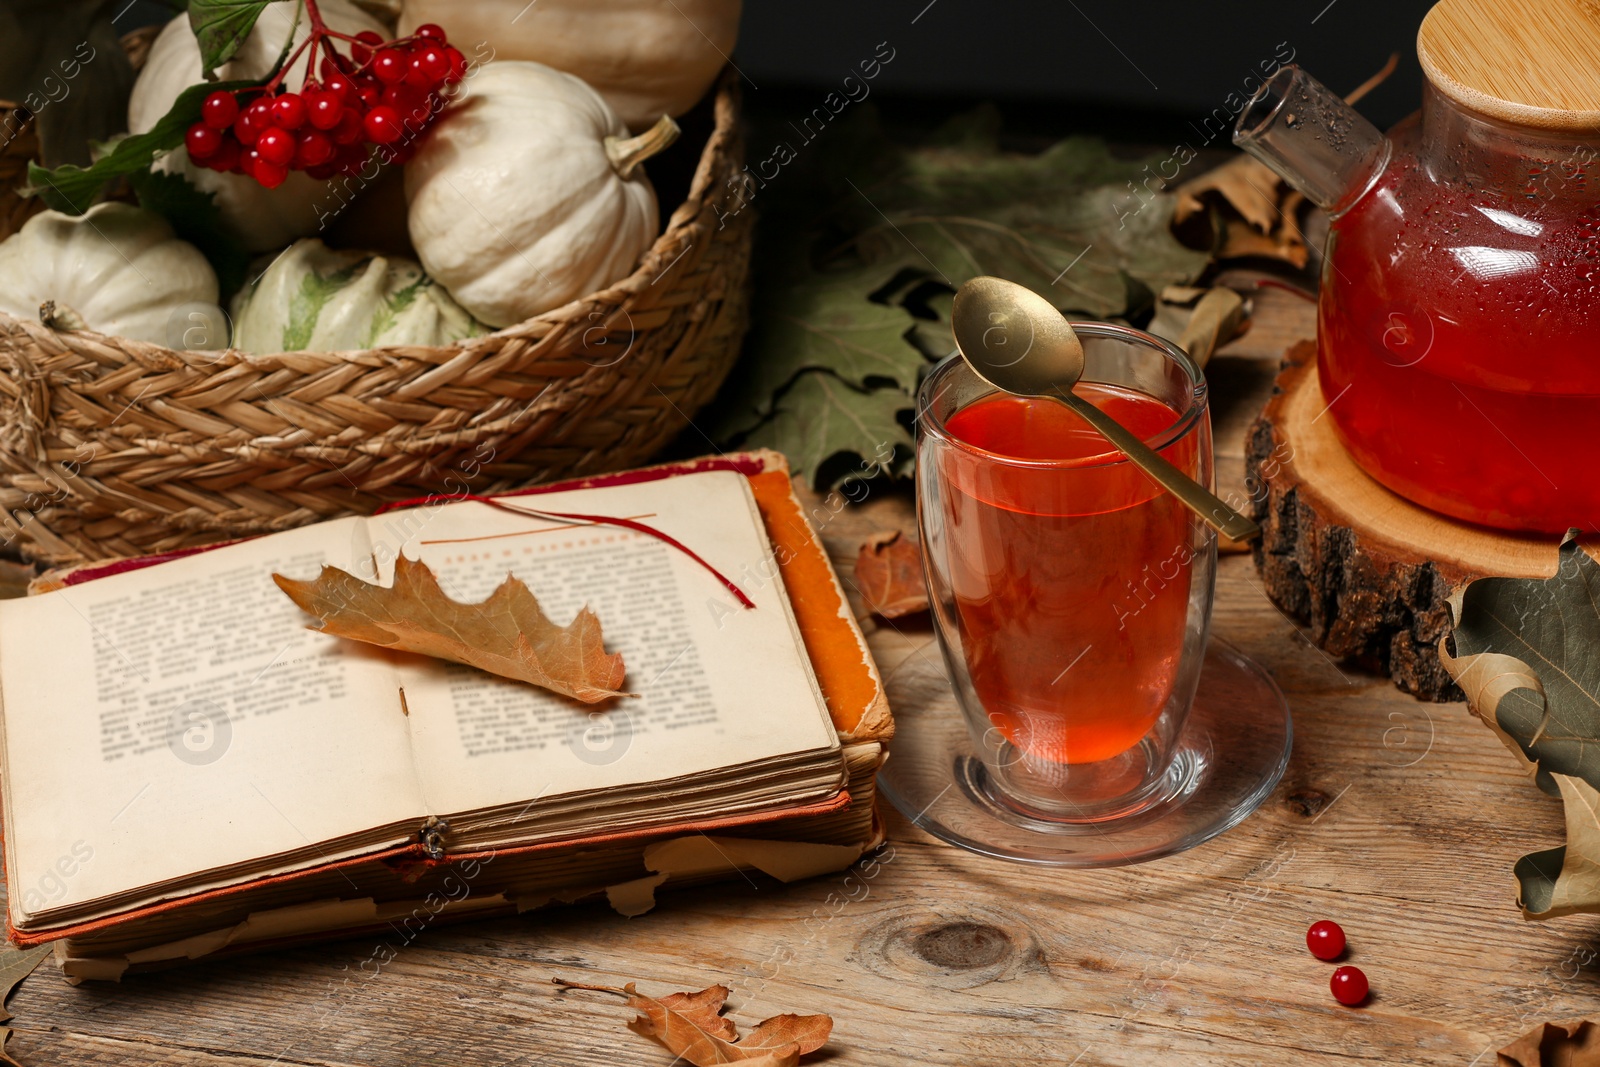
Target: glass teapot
[(1459, 317)]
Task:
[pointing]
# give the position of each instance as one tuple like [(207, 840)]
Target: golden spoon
[(990, 317)]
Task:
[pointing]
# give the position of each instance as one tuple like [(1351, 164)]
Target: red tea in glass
[(1072, 578)]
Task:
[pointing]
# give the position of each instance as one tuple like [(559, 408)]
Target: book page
[(718, 685), (181, 718)]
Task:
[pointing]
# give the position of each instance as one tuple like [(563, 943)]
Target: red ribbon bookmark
[(605, 520)]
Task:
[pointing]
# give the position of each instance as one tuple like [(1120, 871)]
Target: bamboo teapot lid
[(1530, 62)]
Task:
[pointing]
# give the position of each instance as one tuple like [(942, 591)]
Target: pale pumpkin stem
[(60, 317), (626, 153)]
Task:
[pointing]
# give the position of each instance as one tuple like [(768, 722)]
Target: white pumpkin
[(314, 298), (648, 58), (120, 269), (527, 194), (263, 218)]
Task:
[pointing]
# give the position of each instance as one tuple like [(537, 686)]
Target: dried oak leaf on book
[(508, 634), (1527, 655), (693, 1028)]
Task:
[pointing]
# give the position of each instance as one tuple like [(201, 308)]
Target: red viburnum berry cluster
[(384, 94)]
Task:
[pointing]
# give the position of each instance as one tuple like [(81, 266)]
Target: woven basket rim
[(664, 250)]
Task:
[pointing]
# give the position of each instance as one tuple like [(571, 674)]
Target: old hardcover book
[(188, 770)]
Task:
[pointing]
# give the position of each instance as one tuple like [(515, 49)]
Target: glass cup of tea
[(1071, 601)]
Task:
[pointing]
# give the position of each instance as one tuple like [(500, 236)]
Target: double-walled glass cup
[(1071, 597)]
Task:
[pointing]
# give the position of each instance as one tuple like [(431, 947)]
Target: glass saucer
[(1230, 755)]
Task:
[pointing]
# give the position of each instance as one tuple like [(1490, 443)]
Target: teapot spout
[(1312, 139)]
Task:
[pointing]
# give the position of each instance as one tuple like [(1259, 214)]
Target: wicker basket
[(112, 447)]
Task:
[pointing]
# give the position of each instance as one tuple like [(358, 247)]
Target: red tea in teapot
[(1459, 313), (1460, 354)]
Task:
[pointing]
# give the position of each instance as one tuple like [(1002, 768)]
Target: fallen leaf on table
[(1570, 1044), (6, 1059), (1527, 655), (1241, 209), (889, 575), (693, 1028), (1244, 183), (1200, 321), (508, 634), (15, 965)]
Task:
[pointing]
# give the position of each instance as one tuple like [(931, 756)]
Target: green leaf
[(863, 242), (1073, 223), (837, 432), (818, 321), (194, 216), (1527, 655), (1537, 874), (73, 189), (1552, 625), (221, 27)]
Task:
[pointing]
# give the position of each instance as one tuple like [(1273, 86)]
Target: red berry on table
[(276, 146), (430, 31), (389, 65), (382, 125), (312, 149), (323, 108), (1325, 940), (289, 111), (1349, 986), (260, 112), (202, 141), (219, 110), (367, 42)]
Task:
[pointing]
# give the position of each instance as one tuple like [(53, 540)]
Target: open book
[(176, 730)]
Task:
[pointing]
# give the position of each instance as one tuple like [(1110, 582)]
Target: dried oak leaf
[(1569, 1044), (508, 634), (889, 575), (1527, 655), (693, 1028)]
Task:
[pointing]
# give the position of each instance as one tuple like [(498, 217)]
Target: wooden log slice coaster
[(1367, 570)]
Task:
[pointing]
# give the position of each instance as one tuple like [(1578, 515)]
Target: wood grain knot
[(970, 947), (1306, 802), (963, 946)]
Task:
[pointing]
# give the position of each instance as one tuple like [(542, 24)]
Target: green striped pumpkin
[(315, 298)]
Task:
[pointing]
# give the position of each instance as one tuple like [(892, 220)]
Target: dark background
[(1135, 69), (1098, 64)]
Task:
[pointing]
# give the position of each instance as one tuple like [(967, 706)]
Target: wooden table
[(1398, 819)]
